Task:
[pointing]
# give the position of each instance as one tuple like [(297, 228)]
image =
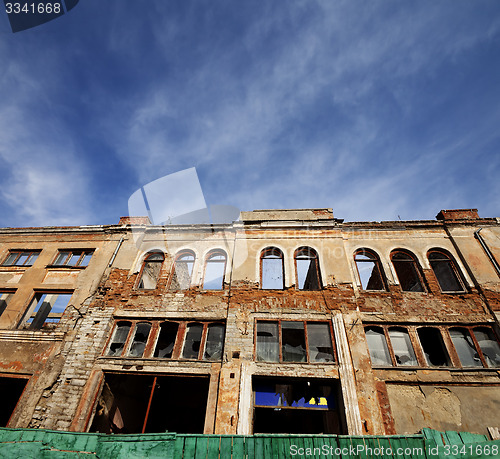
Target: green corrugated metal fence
[(32, 443)]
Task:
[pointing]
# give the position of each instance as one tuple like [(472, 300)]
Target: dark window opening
[(20, 258), (307, 269), (46, 310), (166, 340), (297, 406), (433, 346), (214, 271), (182, 271), (272, 274), (151, 271), (131, 403), (446, 272), (12, 389), (408, 272), (369, 270), (489, 346), (293, 341), (465, 347)]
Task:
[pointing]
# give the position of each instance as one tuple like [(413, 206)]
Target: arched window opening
[(408, 271), (215, 268), (446, 272), (272, 274), (182, 271), (307, 269), (151, 271), (369, 269)]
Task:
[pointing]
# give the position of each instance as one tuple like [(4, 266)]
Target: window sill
[(64, 267)]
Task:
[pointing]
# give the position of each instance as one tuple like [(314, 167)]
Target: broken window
[(214, 342), (377, 345), (142, 403), (267, 342), (402, 347), (465, 347), (192, 341), (408, 271), (272, 274), (297, 406), (433, 346), (5, 296), (166, 340), (73, 258), (214, 271), (170, 340), (446, 272), (151, 270), (289, 337), (182, 271), (12, 389), (307, 269), (489, 346), (140, 339), (119, 339), (293, 341), (320, 342), (21, 258), (369, 270), (45, 309)]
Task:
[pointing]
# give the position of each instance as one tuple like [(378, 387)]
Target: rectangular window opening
[(12, 389), (132, 403), (297, 406)]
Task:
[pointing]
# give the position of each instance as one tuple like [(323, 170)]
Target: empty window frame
[(307, 269), (146, 403), (271, 269), (150, 271), (408, 271), (370, 270), (446, 271), (488, 346), (12, 388), (182, 271), (294, 341), (46, 308), (168, 340), (5, 296), (215, 267), (297, 406), (392, 345), (21, 258), (433, 346), (73, 258)]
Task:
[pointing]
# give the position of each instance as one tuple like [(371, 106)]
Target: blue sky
[(376, 109)]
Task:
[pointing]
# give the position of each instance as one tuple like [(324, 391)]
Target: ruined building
[(286, 321)]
